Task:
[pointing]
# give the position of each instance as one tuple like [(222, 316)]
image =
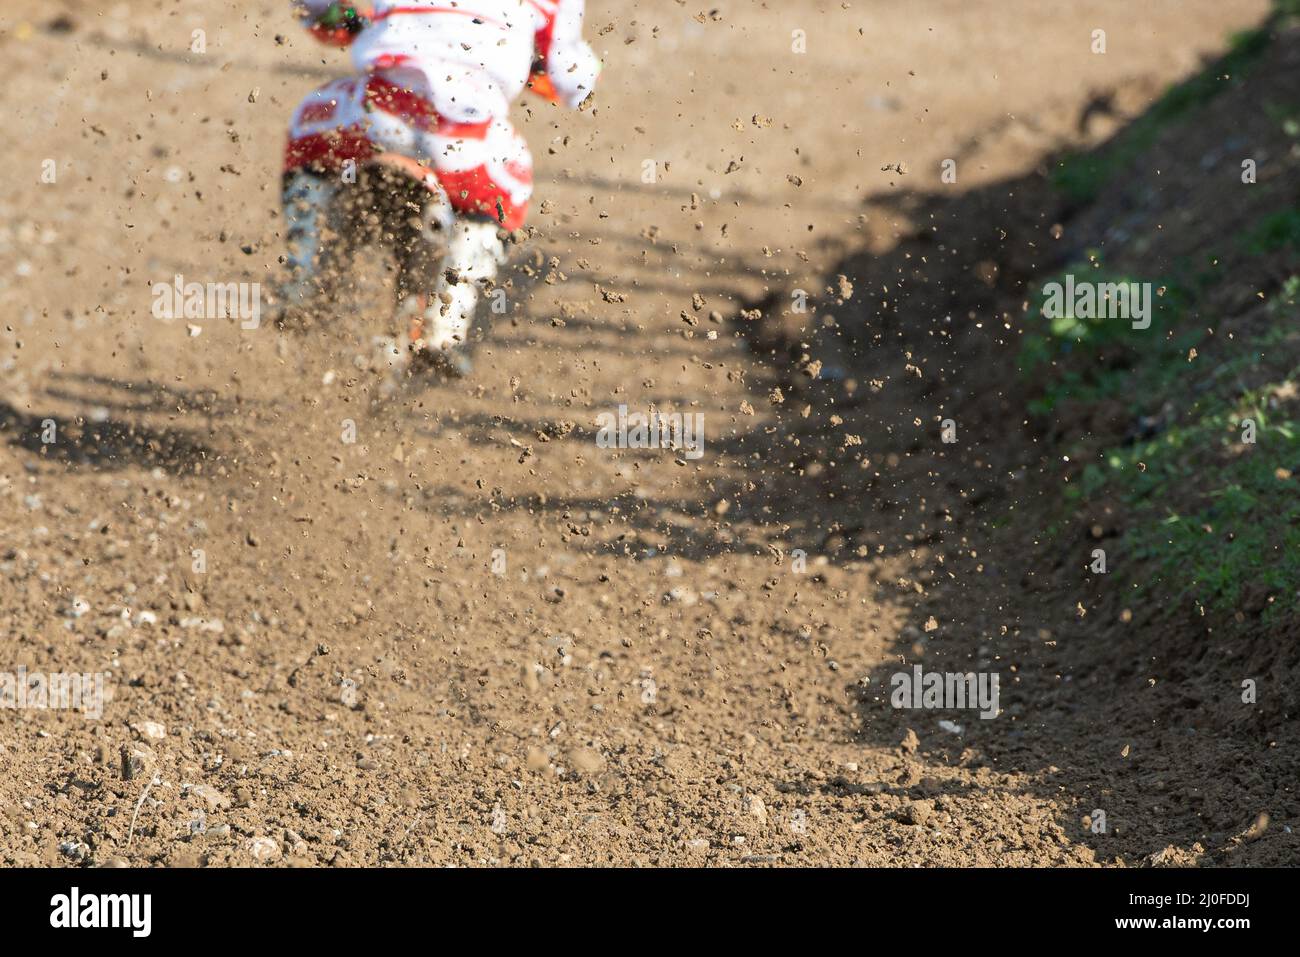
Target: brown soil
[(651, 680)]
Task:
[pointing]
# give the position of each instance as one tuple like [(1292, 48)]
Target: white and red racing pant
[(483, 165)]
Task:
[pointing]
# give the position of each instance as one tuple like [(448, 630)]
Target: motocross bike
[(350, 181)]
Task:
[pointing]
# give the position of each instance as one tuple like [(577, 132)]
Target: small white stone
[(348, 695), (152, 730), (214, 798), (263, 849)]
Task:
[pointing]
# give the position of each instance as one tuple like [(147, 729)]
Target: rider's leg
[(474, 254), (326, 141), (308, 200), (487, 173), (484, 167)]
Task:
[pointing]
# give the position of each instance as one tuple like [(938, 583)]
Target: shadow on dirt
[(112, 434), (677, 524), (1135, 714)]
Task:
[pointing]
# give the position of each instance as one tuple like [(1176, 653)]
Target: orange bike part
[(541, 84)]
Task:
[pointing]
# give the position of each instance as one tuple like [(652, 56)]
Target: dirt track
[(650, 680)]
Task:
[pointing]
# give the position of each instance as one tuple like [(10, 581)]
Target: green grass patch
[(1280, 230), (1237, 527), (1211, 517), (1089, 354)]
